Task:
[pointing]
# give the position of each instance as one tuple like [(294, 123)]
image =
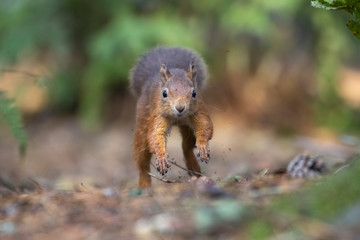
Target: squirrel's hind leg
[(188, 144), (142, 157)]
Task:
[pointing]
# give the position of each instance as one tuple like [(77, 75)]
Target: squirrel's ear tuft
[(191, 73), (164, 72)]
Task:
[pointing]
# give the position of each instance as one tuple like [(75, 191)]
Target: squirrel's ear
[(164, 72), (191, 73)]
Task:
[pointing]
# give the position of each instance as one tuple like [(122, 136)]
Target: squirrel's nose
[(180, 108)]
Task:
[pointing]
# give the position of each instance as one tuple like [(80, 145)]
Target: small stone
[(7, 228), (109, 192), (136, 192)]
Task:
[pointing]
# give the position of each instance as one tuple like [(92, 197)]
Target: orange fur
[(157, 112)]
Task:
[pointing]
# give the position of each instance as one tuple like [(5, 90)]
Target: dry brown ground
[(85, 183)]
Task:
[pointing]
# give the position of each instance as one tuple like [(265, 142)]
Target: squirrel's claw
[(203, 152), (162, 165)]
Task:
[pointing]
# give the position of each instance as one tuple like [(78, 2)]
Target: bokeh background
[(284, 79)]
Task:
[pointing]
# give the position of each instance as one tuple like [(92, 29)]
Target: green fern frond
[(328, 5), (351, 6), (354, 27), (12, 117)]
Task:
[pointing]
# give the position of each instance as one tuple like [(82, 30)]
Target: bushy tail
[(149, 65)]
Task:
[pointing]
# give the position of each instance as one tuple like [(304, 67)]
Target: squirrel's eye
[(194, 94), (165, 94)]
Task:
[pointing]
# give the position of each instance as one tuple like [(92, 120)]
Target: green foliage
[(354, 27), (112, 52), (347, 183), (13, 118), (330, 110), (92, 45), (351, 6), (318, 200), (260, 229), (25, 26), (329, 4)]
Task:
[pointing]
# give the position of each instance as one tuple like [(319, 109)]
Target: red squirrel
[(168, 84)]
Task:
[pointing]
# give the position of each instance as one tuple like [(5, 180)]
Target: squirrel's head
[(178, 91)]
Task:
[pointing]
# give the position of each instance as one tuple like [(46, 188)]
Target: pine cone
[(306, 166)]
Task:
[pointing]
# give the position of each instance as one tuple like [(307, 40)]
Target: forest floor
[(83, 185)]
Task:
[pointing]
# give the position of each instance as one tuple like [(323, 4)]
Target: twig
[(37, 185), (163, 179), (341, 168), (193, 172), (173, 181)]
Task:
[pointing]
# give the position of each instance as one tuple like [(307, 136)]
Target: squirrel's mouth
[(181, 115), (180, 111)]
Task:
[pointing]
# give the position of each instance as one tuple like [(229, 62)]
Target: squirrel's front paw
[(162, 164), (203, 152)]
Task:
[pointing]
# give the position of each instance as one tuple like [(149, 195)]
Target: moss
[(327, 198), (260, 229)]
